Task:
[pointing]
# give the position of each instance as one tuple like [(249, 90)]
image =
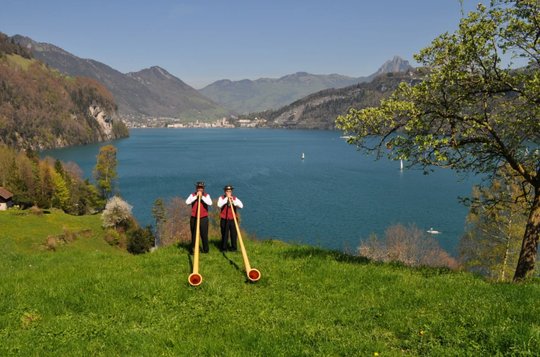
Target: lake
[(332, 198)]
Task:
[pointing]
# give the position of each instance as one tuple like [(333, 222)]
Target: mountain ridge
[(319, 110), (155, 92), (247, 96), (135, 98), (41, 108)]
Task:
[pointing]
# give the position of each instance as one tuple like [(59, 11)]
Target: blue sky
[(201, 41)]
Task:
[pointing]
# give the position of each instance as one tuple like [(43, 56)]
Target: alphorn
[(195, 279), (252, 274)]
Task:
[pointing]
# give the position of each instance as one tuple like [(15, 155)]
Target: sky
[(202, 41)]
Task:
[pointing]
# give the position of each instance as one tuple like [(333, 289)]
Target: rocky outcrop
[(103, 119)]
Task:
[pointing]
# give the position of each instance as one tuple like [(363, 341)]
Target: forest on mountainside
[(320, 110), (40, 108)]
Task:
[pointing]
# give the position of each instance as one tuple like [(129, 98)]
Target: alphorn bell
[(195, 279), (252, 274)]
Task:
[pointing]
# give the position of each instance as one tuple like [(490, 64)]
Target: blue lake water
[(333, 198)]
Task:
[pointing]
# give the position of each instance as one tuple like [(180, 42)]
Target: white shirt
[(205, 197), (222, 201)]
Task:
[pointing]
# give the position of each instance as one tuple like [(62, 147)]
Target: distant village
[(175, 123)]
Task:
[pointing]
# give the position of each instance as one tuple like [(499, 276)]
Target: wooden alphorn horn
[(195, 279), (252, 274)]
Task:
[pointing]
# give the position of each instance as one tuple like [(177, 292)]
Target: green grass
[(87, 298)]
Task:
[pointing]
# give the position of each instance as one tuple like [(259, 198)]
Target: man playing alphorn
[(206, 201), (227, 220)]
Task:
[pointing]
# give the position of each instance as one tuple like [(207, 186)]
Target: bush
[(51, 243), (36, 211), (117, 213), (408, 245), (175, 227), (140, 240)]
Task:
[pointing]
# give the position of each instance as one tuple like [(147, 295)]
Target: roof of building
[(5, 194)]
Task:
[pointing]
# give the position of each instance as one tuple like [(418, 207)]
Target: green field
[(87, 298)]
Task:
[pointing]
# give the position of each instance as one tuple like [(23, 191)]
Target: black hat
[(228, 187), (200, 184)]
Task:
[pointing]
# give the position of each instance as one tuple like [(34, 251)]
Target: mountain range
[(247, 96), (320, 110), (151, 92), (154, 92)]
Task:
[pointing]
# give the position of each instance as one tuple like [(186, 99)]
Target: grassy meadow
[(76, 295)]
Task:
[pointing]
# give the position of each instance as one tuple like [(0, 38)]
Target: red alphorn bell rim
[(254, 275), (195, 279)]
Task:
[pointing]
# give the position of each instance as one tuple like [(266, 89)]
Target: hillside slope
[(176, 98), (86, 298), (320, 110), (40, 108), (135, 98)]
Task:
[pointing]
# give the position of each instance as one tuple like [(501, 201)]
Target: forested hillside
[(41, 108), (47, 183), (149, 93), (320, 110)]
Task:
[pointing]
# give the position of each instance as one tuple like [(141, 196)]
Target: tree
[(46, 185), (139, 240), (176, 224), (105, 170), (61, 194), (159, 213), (470, 112), (117, 213), (495, 226)]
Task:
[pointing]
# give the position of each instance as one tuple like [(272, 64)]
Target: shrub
[(51, 243), (117, 213), (140, 240), (175, 227), (408, 245), (36, 211)]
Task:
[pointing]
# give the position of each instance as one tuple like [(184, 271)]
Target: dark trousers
[(203, 231), (227, 226)]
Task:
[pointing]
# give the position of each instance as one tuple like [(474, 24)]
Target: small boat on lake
[(433, 231)]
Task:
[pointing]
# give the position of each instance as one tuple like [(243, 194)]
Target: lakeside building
[(5, 199), (164, 122)]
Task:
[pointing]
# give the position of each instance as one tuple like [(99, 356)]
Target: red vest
[(204, 207), (226, 212)]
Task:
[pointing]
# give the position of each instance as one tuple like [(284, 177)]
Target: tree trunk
[(529, 247), (502, 276)]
